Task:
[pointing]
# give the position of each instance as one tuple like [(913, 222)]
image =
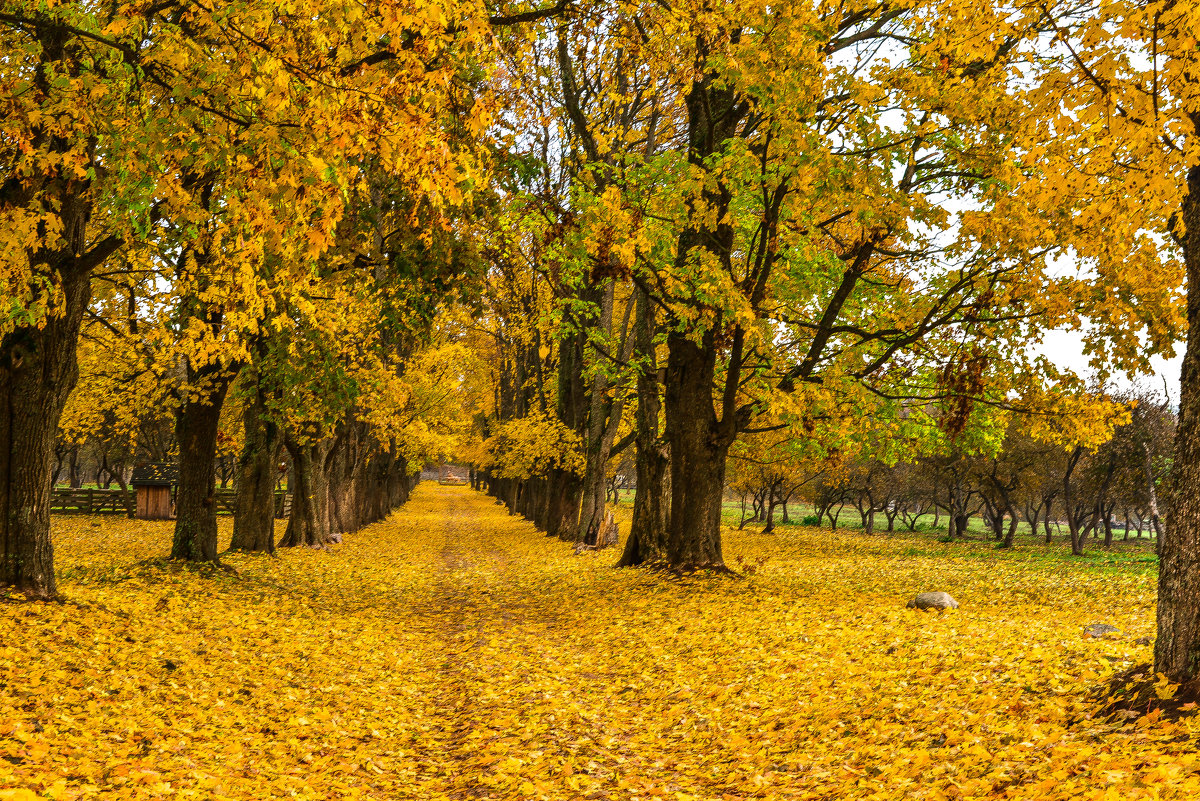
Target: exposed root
[(686, 571), (1138, 691)]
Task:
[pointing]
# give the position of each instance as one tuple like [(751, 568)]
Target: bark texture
[(38, 367), (309, 523), (698, 452), (196, 425), (254, 520), (1177, 648), (37, 371), (647, 541)]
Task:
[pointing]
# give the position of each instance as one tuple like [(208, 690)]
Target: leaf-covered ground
[(453, 652)]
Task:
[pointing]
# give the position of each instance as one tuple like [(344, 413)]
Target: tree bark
[(196, 425), (38, 369), (254, 518), (309, 522), (698, 453), (1177, 648), (38, 366), (647, 541), (1072, 520), (562, 512)]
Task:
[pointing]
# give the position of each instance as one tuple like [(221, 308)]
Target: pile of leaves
[(453, 652)]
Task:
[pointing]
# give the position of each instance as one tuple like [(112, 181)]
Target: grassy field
[(453, 652), (850, 522)]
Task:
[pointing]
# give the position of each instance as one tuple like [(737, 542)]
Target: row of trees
[(699, 222), (237, 209), (848, 225), (1043, 485)]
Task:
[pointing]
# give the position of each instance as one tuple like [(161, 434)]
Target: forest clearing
[(453, 651)]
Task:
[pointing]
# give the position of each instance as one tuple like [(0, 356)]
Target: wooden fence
[(92, 502), (122, 502)]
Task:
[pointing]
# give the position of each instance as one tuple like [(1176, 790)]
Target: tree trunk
[(597, 440), (74, 476), (1010, 535), (562, 505), (769, 513), (1151, 494), (1049, 505), (1177, 649), (309, 521), (254, 517), (196, 424), (961, 522), (1072, 517), (698, 452), (37, 372), (647, 542)]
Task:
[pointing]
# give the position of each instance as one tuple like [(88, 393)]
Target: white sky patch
[(1065, 349)]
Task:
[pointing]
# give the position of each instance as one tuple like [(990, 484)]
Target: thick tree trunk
[(600, 408), (562, 504), (647, 541), (37, 372), (254, 518), (1177, 649), (541, 519), (698, 453), (1077, 535), (196, 424), (961, 522), (309, 523)]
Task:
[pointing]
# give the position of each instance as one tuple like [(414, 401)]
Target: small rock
[(1099, 630), (932, 600)]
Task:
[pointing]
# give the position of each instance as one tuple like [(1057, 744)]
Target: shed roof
[(155, 474)]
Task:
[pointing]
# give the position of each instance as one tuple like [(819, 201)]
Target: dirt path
[(483, 626)]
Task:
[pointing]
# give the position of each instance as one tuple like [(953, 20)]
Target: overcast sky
[(1066, 349)]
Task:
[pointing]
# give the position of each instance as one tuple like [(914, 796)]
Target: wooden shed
[(152, 484)]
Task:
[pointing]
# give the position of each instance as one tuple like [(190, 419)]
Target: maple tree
[(1119, 147), (792, 267), (803, 251)]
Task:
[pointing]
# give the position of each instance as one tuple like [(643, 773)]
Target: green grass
[(1132, 555)]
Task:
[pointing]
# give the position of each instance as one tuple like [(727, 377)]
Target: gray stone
[(932, 600), (1099, 630)]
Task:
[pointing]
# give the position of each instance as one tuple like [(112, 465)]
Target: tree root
[(1138, 691)]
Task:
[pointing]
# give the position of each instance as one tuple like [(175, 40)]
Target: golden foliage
[(533, 445), (453, 652)]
